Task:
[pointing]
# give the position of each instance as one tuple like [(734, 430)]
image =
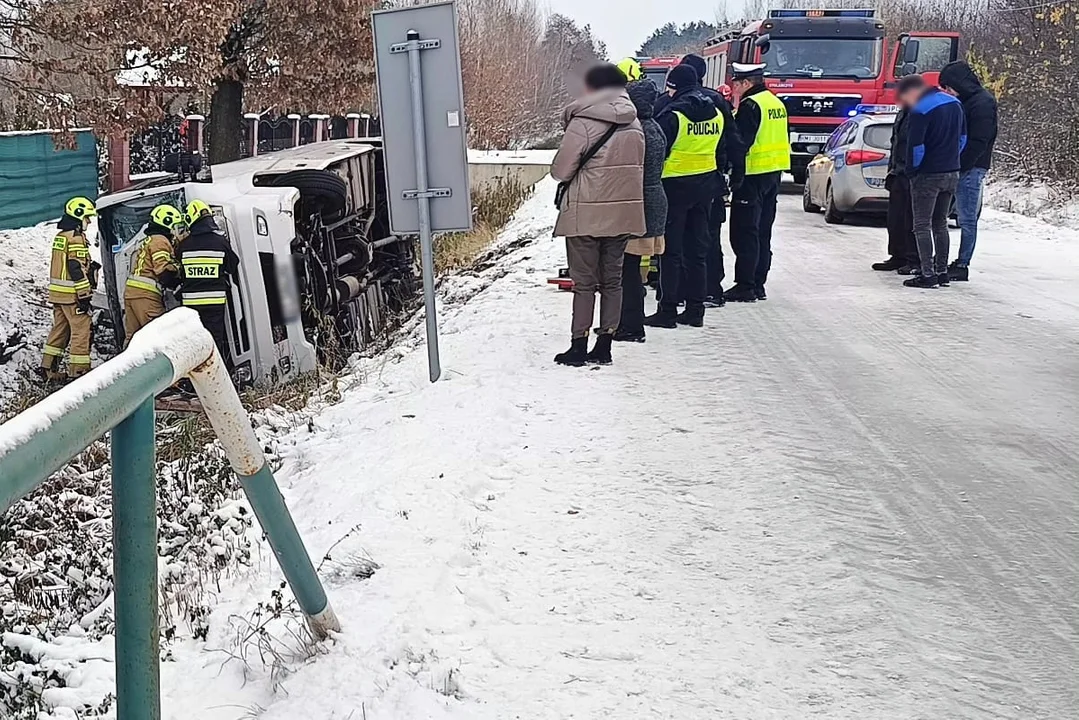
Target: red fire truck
[(826, 66), (656, 68)]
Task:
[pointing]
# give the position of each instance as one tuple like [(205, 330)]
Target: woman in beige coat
[(603, 206)]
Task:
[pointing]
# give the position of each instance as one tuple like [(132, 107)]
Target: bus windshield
[(823, 58)]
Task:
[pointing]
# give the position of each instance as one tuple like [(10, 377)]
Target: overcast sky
[(625, 24)]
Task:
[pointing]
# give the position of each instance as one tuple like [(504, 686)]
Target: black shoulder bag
[(563, 187)]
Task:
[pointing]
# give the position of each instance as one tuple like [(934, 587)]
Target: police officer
[(731, 163), (153, 270), (70, 290), (695, 132), (207, 264), (762, 122)]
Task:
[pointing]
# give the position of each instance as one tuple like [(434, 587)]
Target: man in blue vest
[(695, 131)]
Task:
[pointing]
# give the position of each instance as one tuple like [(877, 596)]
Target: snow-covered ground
[(25, 315), (854, 500)]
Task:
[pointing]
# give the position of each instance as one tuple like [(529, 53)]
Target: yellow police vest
[(694, 150), (771, 150)]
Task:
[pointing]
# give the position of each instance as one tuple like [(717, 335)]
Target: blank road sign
[(444, 118)]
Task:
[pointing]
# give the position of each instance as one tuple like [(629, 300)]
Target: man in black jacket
[(980, 108), (732, 164), (763, 128), (695, 132), (208, 265), (902, 250)]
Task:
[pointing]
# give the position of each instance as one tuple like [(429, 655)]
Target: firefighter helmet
[(197, 209), (80, 208), (166, 216), (630, 68)]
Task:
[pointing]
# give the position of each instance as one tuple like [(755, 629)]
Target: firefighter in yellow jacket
[(70, 291), (153, 270)]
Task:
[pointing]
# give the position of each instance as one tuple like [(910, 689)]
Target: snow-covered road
[(853, 501)]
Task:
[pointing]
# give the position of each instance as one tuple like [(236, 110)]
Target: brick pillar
[(353, 125), (252, 120), (119, 161), (321, 132), (295, 120), (196, 129)]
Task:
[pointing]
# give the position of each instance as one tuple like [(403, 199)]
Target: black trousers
[(214, 318), (683, 264), (901, 244), (716, 218), (753, 212), (632, 295)]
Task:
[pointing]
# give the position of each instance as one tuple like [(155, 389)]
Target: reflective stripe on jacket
[(208, 265), (694, 149), (69, 268), (771, 150), (153, 260), (210, 297)]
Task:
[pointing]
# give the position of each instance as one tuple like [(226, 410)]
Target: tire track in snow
[(891, 428)]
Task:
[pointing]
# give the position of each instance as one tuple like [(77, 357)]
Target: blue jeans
[(968, 205)]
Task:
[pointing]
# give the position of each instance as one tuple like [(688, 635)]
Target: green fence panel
[(37, 178)]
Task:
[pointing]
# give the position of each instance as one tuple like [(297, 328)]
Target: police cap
[(748, 71)]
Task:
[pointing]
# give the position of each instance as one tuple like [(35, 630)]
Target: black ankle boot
[(601, 353), (692, 318), (576, 356), (663, 318)]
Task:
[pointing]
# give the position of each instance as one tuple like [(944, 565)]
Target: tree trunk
[(225, 129)]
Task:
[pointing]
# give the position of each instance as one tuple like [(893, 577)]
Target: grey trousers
[(595, 265), (931, 198)]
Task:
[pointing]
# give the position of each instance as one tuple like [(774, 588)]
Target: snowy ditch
[(56, 622)]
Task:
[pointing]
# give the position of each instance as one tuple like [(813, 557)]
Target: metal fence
[(119, 397)]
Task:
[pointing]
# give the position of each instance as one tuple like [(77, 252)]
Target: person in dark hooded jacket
[(731, 164), (980, 107), (694, 130), (643, 93)]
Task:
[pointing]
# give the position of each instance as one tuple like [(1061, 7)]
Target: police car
[(848, 175)]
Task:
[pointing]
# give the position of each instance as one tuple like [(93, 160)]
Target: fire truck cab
[(656, 69), (827, 66)]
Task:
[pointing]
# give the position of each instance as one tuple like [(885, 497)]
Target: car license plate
[(814, 139)]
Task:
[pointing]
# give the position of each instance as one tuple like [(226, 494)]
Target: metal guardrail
[(119, 397)]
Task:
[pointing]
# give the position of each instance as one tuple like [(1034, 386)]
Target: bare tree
[(77, 60)]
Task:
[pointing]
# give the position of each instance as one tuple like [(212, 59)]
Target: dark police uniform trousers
[(753, 212)]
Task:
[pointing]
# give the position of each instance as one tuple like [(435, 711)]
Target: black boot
[(958, 273), (909, 270), (576, 356), (741, 293), (760, 293), (922, 281), (889, 265), (663, 318), (716, 299), (943, 280), (636, 336), (691, 317), (601, 353)]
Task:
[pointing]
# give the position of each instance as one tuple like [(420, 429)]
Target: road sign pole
[(427, 252)]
